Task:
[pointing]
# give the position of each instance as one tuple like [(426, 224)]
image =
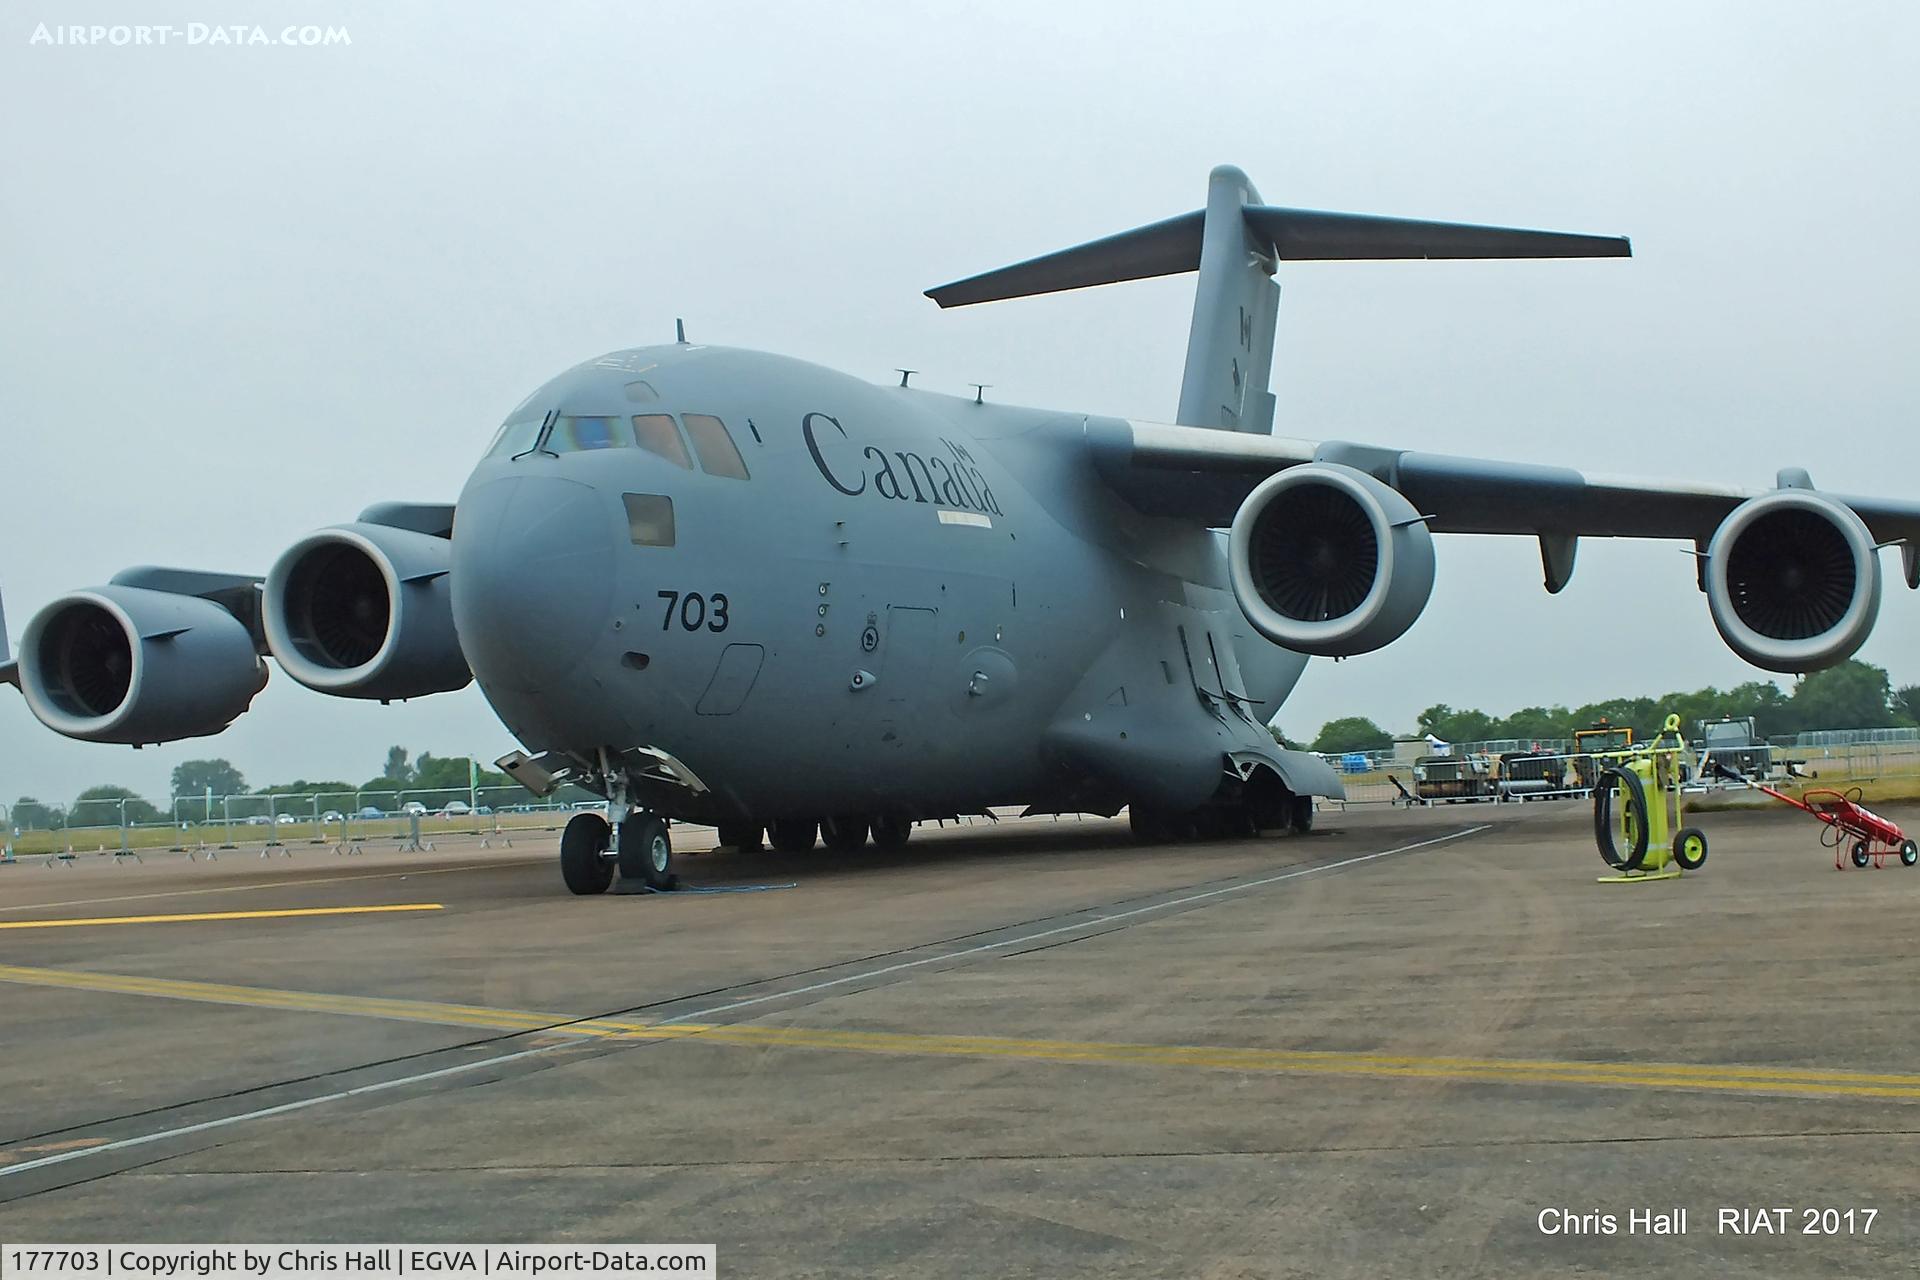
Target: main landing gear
[(1254, 811), (743, 836), (841, 832), (643, 856)]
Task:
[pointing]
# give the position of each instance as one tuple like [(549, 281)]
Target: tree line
[(1853, 695)]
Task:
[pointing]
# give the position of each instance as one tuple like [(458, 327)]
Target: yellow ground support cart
[(1638, 811)]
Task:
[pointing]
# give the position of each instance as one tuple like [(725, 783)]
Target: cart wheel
[(1689, 848), (1860, 853), (1909, 853)]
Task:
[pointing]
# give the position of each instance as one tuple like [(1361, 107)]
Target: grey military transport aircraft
[(716, 585)]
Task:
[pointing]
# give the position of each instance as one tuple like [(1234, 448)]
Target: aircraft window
[(718, 457), (573, 434), (515, 437), (658, 435), (649, 519)]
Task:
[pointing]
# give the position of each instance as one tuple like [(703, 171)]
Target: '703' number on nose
[(695, 611)]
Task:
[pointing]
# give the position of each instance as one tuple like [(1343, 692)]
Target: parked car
[(285, 819), (333, 815), (371, 812), (456, 809), (485, 811), (257, 820), (413, 808)]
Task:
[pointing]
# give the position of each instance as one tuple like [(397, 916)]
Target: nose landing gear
[(644, 856), (646, 851), (583, 847)]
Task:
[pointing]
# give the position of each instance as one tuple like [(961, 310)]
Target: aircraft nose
[(532, 576)]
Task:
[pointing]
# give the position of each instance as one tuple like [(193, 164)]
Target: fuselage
[(824, 596)]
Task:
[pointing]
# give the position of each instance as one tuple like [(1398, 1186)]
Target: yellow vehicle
[(1603, 737)]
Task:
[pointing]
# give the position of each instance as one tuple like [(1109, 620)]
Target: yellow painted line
[(190, 917), (270, 998), (1715, 1077), (276, 883)]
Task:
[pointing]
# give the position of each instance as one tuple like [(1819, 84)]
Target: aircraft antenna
[(905, 374), (979, 391), (679, 330)]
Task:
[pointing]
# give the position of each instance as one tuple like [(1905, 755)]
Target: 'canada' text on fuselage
[(958, 484)]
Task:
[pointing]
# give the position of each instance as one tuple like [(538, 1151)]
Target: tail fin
[(1234, 243)]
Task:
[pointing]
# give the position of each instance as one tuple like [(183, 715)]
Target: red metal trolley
[(1857, 831)]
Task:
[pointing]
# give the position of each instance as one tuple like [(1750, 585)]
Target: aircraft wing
[(1206, 474), (9, 668)]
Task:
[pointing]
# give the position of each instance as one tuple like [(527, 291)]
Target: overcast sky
[(250, 290)]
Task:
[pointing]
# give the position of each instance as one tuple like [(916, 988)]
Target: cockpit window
[(657, 434), (573, 434), (718, 456), (516, 436)]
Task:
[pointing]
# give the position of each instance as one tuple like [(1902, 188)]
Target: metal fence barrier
[(274, 823)]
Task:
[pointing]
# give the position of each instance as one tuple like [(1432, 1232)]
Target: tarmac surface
[(1413, 1043)]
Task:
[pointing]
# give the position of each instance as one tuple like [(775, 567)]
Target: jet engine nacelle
[(1793, 581), (1327, 560), (363, 611), (134, 666)]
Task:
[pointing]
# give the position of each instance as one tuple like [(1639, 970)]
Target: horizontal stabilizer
[(1303, 235), (1162, 249), (1308, 235)]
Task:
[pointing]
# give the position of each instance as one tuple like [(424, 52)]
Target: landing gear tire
[(1689, 848), (1300, 815), (844, 833), (1210, 824), (646, 851), (891, 833), (1860, 854), (581, 846), (745, 837), (1149, 825), (792, 835)]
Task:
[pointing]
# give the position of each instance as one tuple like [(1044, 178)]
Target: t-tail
[(1235, 244)]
